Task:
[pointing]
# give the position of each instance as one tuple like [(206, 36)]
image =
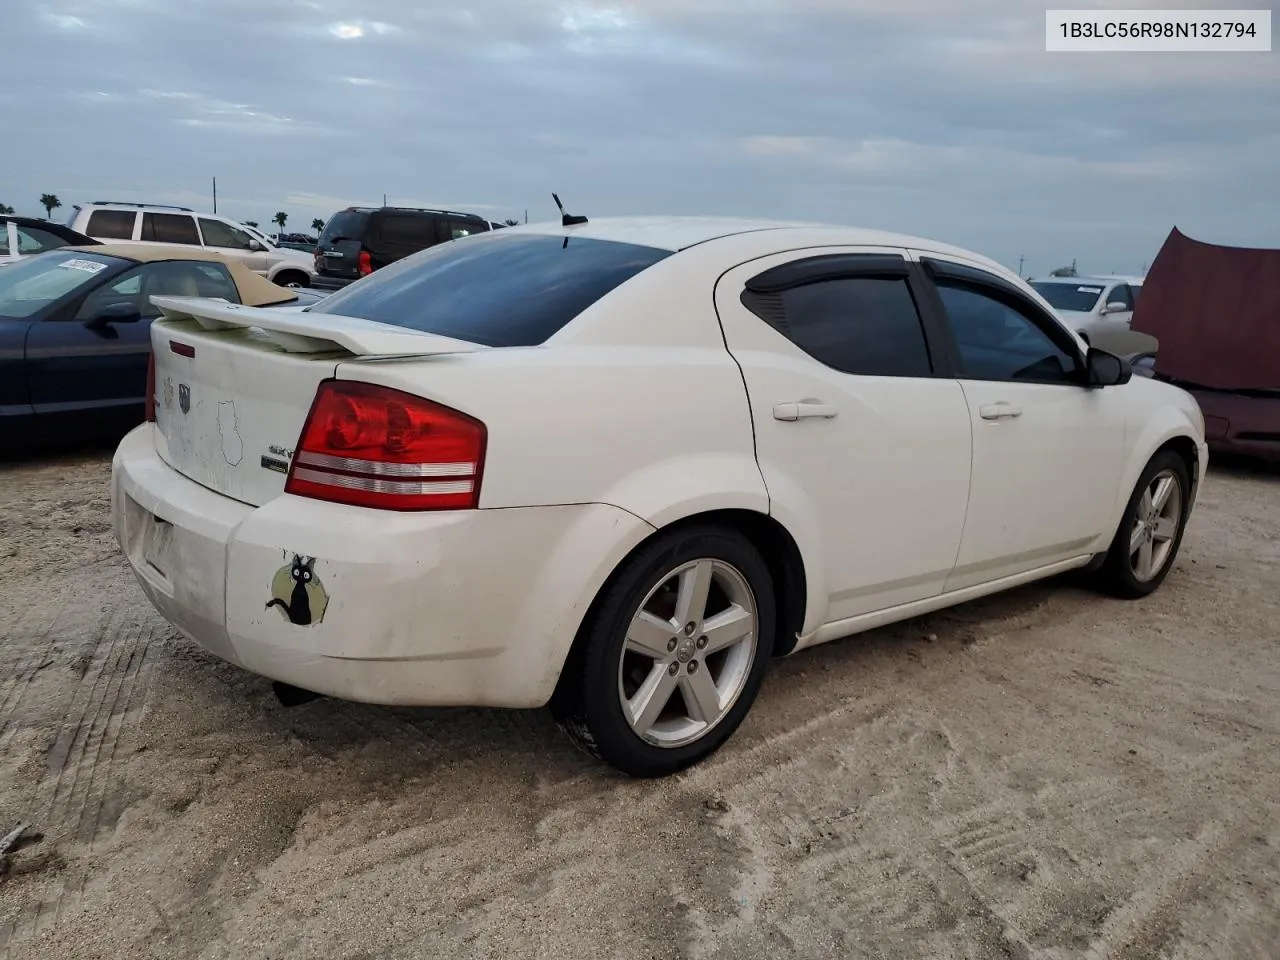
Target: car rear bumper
[(454, 608), (323, 281)]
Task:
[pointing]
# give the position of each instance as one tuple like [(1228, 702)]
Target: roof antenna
[(566, 219)]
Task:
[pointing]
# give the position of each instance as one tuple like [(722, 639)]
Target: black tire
[(588, 704), (292, 278), (1117, 576)]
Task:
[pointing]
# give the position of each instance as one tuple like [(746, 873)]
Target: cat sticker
[(298, 592)]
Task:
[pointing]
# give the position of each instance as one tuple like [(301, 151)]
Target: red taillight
[(151, 387), (364, 263), (372, 446)]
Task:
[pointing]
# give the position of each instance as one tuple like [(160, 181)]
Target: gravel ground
[(1046, 774)]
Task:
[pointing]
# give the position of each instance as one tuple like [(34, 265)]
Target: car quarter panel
[(471, 607)]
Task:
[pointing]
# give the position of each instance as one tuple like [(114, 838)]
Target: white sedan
[(617, 466)]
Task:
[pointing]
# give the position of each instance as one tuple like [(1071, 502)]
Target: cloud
[(945, 119)]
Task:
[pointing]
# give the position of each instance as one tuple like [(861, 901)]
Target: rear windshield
[(345, 225), (498, 289), (27, 287)]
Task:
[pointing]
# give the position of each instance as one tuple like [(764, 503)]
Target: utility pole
[(526, 214), (1021, 257), (215, 194), (384, 199)]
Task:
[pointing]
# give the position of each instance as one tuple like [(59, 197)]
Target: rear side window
[(111, 224), (499, 289), (415, 230), (169, 228), (345, 225), (867, 326), (35, 240)]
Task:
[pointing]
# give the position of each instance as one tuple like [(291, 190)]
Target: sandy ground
[(1046, 774)]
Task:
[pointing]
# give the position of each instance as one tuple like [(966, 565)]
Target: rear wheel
[(672, 654), (1151, 529)]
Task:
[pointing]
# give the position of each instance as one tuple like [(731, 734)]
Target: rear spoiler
[(298, 332)]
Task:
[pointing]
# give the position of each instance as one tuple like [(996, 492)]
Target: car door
[(234, 243), (863, 447), (78, 365), (1048, 451)]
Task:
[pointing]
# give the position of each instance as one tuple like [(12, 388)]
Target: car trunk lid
[(234, 384)]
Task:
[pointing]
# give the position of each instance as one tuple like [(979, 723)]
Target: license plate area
[(157, 544)]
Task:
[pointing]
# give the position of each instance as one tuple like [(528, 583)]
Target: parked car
[(359, 240), (1099, 309), (23, 236), (1216, 313), (75, 328), (618, 466), (183, 227)]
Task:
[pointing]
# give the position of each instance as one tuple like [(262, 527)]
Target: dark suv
[(358, 240)]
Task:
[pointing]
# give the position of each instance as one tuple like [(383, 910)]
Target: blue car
[(75, 331)]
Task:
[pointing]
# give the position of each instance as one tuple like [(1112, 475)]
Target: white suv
[(182, 226)]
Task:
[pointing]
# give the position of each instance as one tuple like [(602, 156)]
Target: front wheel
[(292, 278), (1151, 529), (672, 653)]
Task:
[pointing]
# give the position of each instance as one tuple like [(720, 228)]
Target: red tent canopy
[(1216, 312)]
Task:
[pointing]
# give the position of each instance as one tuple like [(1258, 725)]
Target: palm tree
[(280, 218), (5, 208), (318, 226), (50, 202)]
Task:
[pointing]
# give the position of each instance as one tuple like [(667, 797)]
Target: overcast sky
[(945, 119)]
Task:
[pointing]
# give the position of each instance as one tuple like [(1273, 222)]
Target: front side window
[(167, 278), (499, 289), (28, 286), (219, 234), (111, 224), (867, 326), (170, 228), (35, 240), (465, 228), (1120, 294), (1000, 341)]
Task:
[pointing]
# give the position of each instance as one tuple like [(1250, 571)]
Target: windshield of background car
[(1074, 297), (497, 289), (345, 225), (30, 285)]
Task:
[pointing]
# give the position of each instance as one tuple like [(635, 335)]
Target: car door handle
[(999, 411), (803, 410)]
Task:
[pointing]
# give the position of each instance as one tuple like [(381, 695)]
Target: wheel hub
[(685, 651)]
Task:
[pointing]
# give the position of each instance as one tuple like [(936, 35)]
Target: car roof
[(681, 233), (255, 291)]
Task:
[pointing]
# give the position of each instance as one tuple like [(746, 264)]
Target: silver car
[(1099, 309)]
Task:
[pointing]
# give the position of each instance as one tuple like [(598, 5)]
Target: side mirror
[(1115, 306), (115, 313), (1106, 369), (254, 245)]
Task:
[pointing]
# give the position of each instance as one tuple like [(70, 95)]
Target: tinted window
[(1000, 342), (219, 234), (169, 228), (860, 325), (415, 230), (499, 289), (34, 240), (465, 228), (1076, 297), (345, 225), (111, 224), (28, 286)]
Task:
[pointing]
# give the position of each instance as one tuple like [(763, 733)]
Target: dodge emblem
[(184, 398)]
